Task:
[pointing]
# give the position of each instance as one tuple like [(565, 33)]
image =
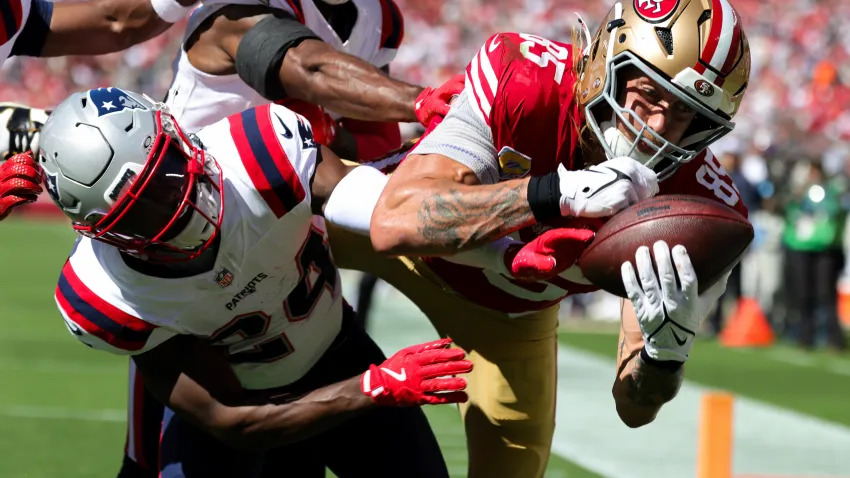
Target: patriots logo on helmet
[(51, 186), (113, 100)]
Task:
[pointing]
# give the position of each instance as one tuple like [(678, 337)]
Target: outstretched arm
[(196, 381), (659, 325), (95, 27), (641, 388), (434, 205), (316, 72), (280, 57)]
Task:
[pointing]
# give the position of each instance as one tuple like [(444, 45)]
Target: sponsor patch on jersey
[(655, 11), (113, 100), (513, 164)]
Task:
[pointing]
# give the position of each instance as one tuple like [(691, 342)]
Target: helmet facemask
[(694, 52), (171, 210), (705, 128)]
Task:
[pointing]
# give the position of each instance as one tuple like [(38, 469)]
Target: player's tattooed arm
[(640, 388), (434, 205), (196, 381)]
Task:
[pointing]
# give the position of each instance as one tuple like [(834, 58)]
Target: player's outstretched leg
[(510, 418)]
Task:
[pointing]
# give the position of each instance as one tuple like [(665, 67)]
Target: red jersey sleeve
[(523, 85), (704, 176)]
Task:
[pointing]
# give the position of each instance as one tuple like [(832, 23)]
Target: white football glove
[(19, 129), (606, 188), (669, 314)]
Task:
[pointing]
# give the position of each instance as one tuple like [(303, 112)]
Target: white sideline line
[(56, 366), (63, 413), (768, 440)]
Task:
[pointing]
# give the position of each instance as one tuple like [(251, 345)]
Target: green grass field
[(62, 404), (814, 383)]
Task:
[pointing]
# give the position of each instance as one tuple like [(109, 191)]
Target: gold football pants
[(510, 416)]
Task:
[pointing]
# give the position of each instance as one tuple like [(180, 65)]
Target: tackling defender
[(200, 257), (332, 54), (659, 82), (304, 54)]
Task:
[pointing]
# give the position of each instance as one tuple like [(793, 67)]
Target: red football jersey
[(523, 88)]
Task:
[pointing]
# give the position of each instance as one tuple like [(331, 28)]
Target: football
[(714, 235)]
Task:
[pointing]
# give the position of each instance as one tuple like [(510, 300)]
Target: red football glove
[(19, 182), (437, 101), (324, 127), (551, 253), (409, 378)]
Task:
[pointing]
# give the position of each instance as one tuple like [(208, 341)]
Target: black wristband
[(669, 365), (544, 196), (261, 51)]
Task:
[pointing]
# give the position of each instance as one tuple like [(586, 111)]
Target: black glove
[(20, 129)]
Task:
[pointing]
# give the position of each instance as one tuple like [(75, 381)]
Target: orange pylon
[(748, 327), (714, 443), (844, 304)]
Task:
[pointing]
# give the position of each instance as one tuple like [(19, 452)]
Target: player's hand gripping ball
[(715, 236), (549, 254)]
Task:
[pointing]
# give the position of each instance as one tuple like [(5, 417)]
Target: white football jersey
[(14, 16), (274, 296), (197, 99)]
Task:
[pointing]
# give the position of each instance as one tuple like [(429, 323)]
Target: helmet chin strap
[(198, 230), (334, 2)]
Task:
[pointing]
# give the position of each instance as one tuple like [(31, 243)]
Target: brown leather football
[(714, 235)]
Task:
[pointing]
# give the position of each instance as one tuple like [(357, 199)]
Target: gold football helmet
[(696, 49)]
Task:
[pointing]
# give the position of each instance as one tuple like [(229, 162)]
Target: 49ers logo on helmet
[(655, 11)]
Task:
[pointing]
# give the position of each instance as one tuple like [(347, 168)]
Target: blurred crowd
[(790, 152)]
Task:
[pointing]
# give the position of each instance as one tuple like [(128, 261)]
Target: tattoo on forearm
[(650, 386), (465, 219)]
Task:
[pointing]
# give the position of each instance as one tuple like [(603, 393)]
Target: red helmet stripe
[(723, 39)]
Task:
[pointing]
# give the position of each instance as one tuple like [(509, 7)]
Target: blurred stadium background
[(777, 342)]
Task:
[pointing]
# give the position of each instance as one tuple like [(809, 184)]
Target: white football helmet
[(120, 167)]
